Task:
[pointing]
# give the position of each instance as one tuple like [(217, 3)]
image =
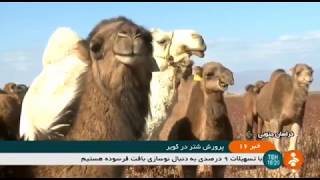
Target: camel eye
[(209, 75), (12, 87), (161, 42), (298, 73), (311, 73)]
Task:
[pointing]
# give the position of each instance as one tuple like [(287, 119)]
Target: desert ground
[(308, 143)]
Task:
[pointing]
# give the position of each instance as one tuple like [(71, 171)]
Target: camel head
[(121, 50), (176, 46), (302, 74), (255, 88), (122, 39), (19, 90), (249, 88), (216, 77), (258, 86)]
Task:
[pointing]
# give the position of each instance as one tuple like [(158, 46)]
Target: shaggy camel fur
[(57, 86), (114, 102)]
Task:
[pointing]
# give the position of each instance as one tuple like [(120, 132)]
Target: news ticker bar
[(131, 159), (237, 146), (113, 146)]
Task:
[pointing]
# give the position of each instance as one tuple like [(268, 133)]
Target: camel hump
[(276, 73), (60, 44), (249, 88), (56, 88), (258, 86), (284, 80), (189, 94), (282, 87)]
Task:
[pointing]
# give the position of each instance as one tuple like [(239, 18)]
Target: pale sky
[(245, 37)]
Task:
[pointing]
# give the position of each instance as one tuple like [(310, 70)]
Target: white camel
[(172, 51)]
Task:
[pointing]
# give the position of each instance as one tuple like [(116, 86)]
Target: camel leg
[(189, 171), (260, 126), (275, 128), (180, 171), (166, 130), (255, 128), (295, 128), (248, 131), (204, 171), (248, 134), (218, 171)]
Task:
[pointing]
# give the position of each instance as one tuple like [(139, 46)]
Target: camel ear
[(96, 48), (10, 87), (83, 51), (231, 80)]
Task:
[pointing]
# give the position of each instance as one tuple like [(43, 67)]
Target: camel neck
[(104, 113), (215, 96), (216, 111), (299, 91), (299, 97), (215, 103)]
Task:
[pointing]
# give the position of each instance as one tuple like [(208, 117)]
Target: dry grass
[(308, 143)]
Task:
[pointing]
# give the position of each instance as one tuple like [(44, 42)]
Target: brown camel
[(114, 101), (282, 102), (250, 112), (10, 108), (208, 121)]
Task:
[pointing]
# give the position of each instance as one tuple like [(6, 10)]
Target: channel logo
[(293, 159)]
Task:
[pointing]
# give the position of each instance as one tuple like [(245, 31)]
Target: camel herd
[(124, 82)]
